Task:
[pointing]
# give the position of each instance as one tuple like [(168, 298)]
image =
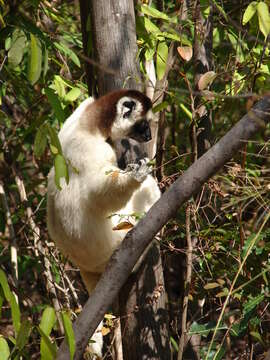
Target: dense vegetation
[(42, 81)]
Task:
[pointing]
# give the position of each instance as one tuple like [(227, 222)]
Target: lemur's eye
[(130, 105)]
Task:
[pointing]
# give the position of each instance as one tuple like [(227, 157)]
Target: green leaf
[(54, 140), (212, 285), (40, 141), (55, 104), (72, 95), (257, 336), (47, 322), (251, 304), (160, 107), (16, 51), (23, 334), (61, 170), (151, 27), (4, 349), (15, 310), (162, 56), (45, 62), (264, 18), (34, 59), (69, 333), (150, 11), (171, 36), (68, 52), (220, 9), (249, 12), (204, 329), (248, 243), (186, 111), (49, 349), (174, 344), (59, 85)]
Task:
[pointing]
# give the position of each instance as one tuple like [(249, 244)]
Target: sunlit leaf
[(47, 322), (34, 59), (4, 349), (150, 11), (17, 47), (54, 140), (162, 56), (61, 170), (151, 27), (68, 52), (69, 333), (49, 348), (105, 330), (72, 95), (264, 18), (249, 12), (15, 310)]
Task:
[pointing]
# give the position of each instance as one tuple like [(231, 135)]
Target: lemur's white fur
[(79, 215)]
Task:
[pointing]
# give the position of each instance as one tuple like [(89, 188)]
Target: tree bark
[(126, 256), (115, 46)]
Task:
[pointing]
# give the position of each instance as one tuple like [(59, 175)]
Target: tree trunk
[(115, 48)]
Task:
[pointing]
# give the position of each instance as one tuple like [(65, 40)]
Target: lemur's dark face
[(132, 118)]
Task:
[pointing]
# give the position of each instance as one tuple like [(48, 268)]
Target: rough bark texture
[(113, 24), (124, 259)]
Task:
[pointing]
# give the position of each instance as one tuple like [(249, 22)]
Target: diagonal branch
[(126, 256)]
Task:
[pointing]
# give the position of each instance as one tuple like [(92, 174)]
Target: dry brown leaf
[(212, 285), (124, 225), (105, 331), (206, 79), (114, 174), (185, 52)]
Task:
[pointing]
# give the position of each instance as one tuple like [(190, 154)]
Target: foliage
[(43, 81)]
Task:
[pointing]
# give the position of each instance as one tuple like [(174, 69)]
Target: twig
[(13, 244), (187, 286)]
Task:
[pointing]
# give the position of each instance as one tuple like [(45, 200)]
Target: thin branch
[(187, 285)]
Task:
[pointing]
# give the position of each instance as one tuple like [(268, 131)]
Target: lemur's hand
[(140, 170)]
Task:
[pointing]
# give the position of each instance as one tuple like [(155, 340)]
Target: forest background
[(204, 64)]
